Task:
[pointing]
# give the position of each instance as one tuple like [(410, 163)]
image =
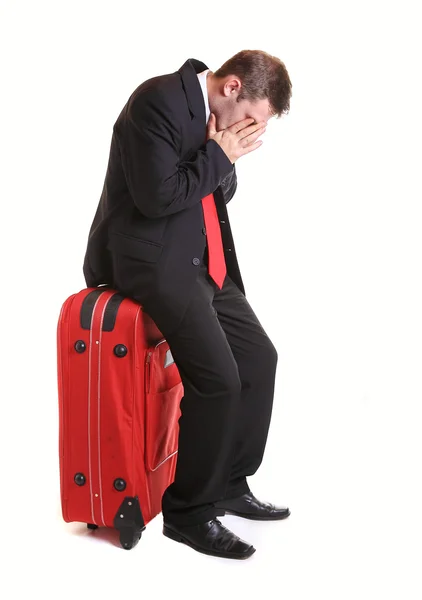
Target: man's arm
[(229, 184), (150, 141)]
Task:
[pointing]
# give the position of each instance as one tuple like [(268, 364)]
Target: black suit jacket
[(147, 238)]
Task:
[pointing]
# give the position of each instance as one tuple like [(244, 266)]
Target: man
[(161, 235)]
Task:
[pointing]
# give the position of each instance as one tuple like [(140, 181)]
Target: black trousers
[(227, 364)]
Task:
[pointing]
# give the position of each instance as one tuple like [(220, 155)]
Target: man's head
[(251, 83)]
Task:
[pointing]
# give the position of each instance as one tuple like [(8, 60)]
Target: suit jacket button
[(204, 231), (196, 261)]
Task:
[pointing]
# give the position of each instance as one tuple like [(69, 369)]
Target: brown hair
[(262, 76)]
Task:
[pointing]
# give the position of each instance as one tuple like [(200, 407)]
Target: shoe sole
[(177, 537), (255, 517)]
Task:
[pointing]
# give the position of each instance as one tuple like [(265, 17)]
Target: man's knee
[(232, 383), (228, 382), (267, 356), (272, 353)]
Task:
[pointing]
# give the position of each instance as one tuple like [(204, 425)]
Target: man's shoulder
[(164, 91), (161, 88)]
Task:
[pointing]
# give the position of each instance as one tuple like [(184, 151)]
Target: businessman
[(161, 235)]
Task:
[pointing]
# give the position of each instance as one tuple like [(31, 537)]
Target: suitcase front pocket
[(163, 393), (162, 429)]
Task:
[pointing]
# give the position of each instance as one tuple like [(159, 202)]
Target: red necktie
[(216, 261)]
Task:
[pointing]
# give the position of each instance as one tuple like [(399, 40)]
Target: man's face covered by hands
[(244, 109), (223, 103)]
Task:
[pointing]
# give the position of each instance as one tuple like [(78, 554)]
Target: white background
[(327, 226)]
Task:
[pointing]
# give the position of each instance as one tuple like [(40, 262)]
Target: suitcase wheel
[(128, 536)]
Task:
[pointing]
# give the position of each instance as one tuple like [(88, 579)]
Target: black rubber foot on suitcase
[(128, 538), (91, 526), (129, 522)]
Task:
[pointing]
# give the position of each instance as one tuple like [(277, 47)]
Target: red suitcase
[(119, 394)]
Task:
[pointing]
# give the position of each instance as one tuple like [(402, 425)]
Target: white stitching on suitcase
[(98, 417), (163, 461), (89, 411)]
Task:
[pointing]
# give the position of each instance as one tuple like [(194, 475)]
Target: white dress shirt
[(203, 81)]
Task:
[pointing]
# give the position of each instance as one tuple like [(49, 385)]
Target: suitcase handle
[(110, 313)]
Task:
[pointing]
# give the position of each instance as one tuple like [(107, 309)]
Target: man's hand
[(239, 138)]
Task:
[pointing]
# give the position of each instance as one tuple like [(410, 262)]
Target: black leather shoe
[(210, 538), (249, 507)]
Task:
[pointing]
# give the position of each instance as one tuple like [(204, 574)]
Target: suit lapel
[(195, 99)]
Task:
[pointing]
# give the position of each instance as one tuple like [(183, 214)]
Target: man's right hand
[(238, 139)]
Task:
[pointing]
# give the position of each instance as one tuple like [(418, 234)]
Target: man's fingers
[(245, 141), (251, 147), (240, 125), (235, 141), (248, 131)]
